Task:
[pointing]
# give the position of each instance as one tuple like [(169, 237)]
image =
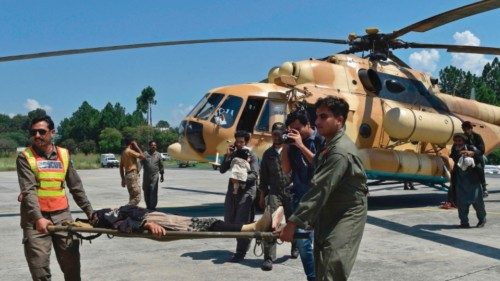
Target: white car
[(165, 156), (109, 160), (491, 169)]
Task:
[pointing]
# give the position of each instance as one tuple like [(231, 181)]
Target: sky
[(181, 75)]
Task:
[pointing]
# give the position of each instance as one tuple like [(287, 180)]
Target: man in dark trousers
[(238, 205), (153, 171), (272, 184), (336, 204), (467, 180), (476, 140), (44, 170)]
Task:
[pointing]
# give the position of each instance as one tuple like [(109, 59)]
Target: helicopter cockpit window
[(227, 112), (394, 86), (209, 107)]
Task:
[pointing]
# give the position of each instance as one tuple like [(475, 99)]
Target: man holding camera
[(302, 143), (238, 205)]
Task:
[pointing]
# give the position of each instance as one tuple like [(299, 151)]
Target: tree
[(135, 119), (5, 124), (87, 146), (69, 144), (112, 117), (450, 79), (165, 138), (162, 124), (110, 140), (144, 102), (83, 124)]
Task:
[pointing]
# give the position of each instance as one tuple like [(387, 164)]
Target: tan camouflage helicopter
[(400, 121)]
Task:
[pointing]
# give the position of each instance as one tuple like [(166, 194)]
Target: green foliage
[(113, 116), (87, 147), (457, 82), (146, 98), (494, 157), (82, 125), (7, 144), (162, 124), (70, 144), (110, 140), (135, 119), (164, 138)]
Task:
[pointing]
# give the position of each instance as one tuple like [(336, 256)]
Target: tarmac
[(407, 237)]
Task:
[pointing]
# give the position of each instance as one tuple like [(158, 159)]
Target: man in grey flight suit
[(152, 167), (336, 204)]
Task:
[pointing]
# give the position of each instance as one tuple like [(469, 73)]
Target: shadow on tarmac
[(221, 257), (200, 190), (406, 200), (420, 231)]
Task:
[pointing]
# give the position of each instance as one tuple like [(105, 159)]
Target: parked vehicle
[(165, 156), (491, 169), (109, 160)]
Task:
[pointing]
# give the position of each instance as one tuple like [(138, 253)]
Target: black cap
[(278, 127)]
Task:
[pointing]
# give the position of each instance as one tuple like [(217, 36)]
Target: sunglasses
[(42, 132)]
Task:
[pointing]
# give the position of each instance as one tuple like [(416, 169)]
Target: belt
[(128, 172)]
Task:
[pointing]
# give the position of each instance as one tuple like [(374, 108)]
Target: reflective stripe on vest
[(50, 175)]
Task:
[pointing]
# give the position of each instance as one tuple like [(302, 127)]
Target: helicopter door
[(250, 114)]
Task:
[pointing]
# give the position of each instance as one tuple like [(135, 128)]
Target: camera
[(285, 138)]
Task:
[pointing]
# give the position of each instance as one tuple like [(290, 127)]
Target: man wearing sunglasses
[(43, 171)]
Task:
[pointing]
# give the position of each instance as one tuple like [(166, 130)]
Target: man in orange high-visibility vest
[(43, 170)]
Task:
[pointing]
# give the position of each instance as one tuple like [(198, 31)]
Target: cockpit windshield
[(207, 106), (227, 112)]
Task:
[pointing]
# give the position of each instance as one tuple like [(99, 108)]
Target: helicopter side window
[(227, 112), (250, 114), (263, 124), (209, 106), (273, 111)]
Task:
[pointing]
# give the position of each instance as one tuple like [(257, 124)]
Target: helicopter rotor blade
[(397, 60), (447, 17), (165, 43), (458, 48)]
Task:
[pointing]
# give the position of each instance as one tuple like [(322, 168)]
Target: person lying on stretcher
[(131, 218)]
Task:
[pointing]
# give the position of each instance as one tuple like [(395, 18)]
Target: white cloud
[(32, 104), (178, 113), (425, 60), (468, 62)]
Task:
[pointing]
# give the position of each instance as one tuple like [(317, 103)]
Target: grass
[(82, 161)]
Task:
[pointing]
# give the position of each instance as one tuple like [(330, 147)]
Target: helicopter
[(399, 120)]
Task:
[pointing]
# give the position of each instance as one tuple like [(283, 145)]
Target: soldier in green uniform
[(335, 205)]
